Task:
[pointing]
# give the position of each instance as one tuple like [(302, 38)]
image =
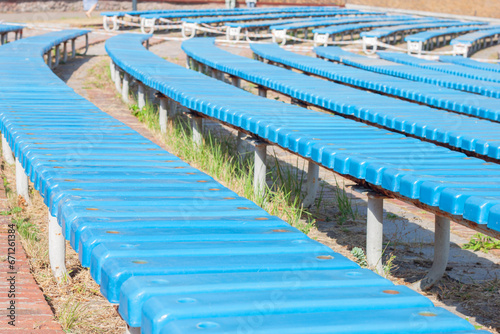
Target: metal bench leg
[(57, 248), (163, 114), (141, 96), (236, 81), (7, 152), (260, 172), (375, 232), (262, 92), (312, 184), (49, 58), (240, 145), (73, 48), (118, 80), (441, 254), (197, 127), (112, 70), (58, 56), (188, 62), (65, 52), (125, 87), (22, 182)]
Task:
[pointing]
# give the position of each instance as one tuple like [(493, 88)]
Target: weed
[(26, 229), (13, 211), (482, 242), (344, 204), (389, 265), (360, 256), (391, 216), (69, 315)]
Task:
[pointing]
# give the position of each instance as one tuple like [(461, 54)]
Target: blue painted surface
[(489, 89), (473, 37), (425, 36), (10, 27), (143, 220), (471, 63), (440, 66), (385, 159), (383, 32), (463, 132)]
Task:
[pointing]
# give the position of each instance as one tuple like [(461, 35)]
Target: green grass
[(347, 211), (481, 242), (218, 157)]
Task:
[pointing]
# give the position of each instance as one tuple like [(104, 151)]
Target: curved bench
[(5, 29), (431, 182), (440, 66), (322, 35), (468, 44), (431, 39), (441, 127), (223, 302), (470, 63), (280, 30), (190, 26), (394, 35), (159, 231), (449, 99), (489, 89)]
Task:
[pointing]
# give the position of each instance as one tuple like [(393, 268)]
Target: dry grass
[(77, 303)]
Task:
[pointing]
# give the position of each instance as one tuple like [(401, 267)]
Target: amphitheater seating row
[(440, 66), (489, 89), (470, 63), (321, 35), (470, 43), (227, 312), (5, 29), (178, 251), (431, 39), (444, 98)]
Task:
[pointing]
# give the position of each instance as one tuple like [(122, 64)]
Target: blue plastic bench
[(444, 98), (442, 127), (156, 231), (439, 178), (280, 30), (396, 34), (322, 35), (440, 66), (470, 43), (5, 29), (471, 63), (489, 89), (431, 39), (177, 298)]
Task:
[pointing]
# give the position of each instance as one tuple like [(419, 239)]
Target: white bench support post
[(112, 70), (141, 95), (312, 184), (441, 254), (260, 168), (375, 232), (240, 145), (22, 182), (118, 80), (49, 58), (57, 248), (163, 113), (65, 52), (58, 55), (73, 48), (197, 127), (125, 87), (7, 152), (236, 81), (262, 92)]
